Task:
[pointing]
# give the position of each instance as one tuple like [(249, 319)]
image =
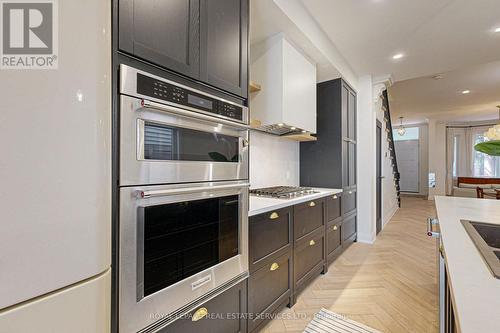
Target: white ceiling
[(424, 98), (434, 35), (454, 37)]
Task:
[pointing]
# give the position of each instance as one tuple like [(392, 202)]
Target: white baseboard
[(366, 238), (389, 216)]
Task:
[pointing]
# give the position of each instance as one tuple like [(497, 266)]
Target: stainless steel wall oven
[(168, 134), (183, 198)]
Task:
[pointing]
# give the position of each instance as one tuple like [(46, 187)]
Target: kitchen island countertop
[(476, 293), (259, 205)]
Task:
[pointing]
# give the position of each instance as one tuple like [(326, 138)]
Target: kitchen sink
[(490, 233), (486, 237)]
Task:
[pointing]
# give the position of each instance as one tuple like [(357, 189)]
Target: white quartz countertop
[(259, 205), (476, 293)]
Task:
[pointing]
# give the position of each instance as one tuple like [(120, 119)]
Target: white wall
[(437, 156), (273, 160), (366, 157)]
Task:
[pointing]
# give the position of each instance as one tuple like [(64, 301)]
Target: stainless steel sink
[(486, 237)]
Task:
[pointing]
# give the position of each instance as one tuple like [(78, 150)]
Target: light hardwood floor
[(390, 285)]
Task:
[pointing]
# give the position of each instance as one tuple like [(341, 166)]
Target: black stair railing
[(390, 140)]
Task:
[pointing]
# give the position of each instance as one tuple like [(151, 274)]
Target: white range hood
[(287, 102)]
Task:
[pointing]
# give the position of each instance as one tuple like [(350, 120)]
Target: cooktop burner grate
[(282, 192)]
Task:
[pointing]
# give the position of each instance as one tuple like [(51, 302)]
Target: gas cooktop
[(282, 192)]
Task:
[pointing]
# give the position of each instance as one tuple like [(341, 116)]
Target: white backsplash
[(273, 160)]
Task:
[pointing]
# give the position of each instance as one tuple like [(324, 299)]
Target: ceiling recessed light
[(465, 92), (398, 56), (497, 29)]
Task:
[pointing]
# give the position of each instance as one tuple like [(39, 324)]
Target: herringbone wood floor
[(390, 285)]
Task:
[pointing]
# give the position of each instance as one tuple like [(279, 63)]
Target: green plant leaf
[(489, 147)]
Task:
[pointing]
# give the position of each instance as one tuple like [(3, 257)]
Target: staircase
[(390, 140)]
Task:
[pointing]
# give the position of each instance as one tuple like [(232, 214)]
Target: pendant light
[(401, 129), (493, 133)]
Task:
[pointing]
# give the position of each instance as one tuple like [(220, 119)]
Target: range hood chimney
[(286, 105)]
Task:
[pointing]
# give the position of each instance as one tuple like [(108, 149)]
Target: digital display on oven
[(198, 101)]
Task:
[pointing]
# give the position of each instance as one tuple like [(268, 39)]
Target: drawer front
[(268, 233), (307, 217), (218, 318), (268, 287), (308, 254), (333, 207), (348, 201), (333, 237), (349, 226)]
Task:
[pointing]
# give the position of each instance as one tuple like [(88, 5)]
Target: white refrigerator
[(55, 168)]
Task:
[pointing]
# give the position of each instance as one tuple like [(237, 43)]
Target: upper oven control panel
[(170, 92)]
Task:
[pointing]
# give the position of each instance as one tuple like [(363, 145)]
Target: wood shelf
[(301, 137), (255, 87)]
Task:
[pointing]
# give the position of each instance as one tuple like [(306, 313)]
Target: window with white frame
[(484, 165)]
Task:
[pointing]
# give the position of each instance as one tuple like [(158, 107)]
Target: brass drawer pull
[(335, 196), (312, 204), (274, 266), (312, 242), (199, 314), (335, 227), (274, 216)]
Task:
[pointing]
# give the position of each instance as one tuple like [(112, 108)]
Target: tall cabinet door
[(344, 109), (351, 115), (224, 47), (163, 32), (352, 164)]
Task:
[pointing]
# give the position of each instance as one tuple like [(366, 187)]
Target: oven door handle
[(162, 107), (161, 193)]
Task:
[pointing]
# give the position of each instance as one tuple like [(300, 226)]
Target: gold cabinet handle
[(274, 216), (335, 196), (199, 314), (312, 204), (335, 227), (312, 242), (274, 266)]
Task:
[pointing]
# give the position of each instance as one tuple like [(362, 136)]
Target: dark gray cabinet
[(206, 40), (349, 201), (270, 290), (333, 207), (336, 139), (336, 146), (224, 44), (269, 235), (270, 252), (307, 217), (348, 227), (165, 33), (309, 258), (333, 240), (216, 315)]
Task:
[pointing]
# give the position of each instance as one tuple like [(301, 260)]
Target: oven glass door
[(161, 147), (183, 238), (171, 143), (176, 244)]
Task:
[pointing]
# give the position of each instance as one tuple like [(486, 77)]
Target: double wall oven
[(183, 198)]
